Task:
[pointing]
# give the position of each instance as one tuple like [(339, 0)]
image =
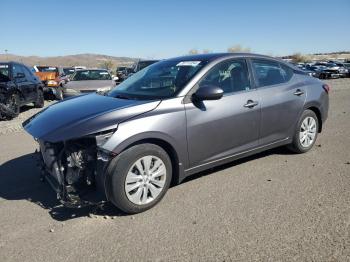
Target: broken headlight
[(101, 139)]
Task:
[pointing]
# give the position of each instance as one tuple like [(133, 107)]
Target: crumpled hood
[(83, 115), (90, 84)]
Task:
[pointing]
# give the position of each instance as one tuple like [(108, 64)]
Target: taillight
[(326, 88)]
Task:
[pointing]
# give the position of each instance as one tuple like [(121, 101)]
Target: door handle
[(298, 92), (251, 104)]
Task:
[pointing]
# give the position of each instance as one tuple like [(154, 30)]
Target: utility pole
[(7, 58)]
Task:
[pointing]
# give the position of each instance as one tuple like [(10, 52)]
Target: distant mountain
[(88, 60)]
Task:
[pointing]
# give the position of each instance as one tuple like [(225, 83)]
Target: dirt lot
[(275, 206)]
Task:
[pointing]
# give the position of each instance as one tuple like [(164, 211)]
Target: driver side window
[(231, 76)]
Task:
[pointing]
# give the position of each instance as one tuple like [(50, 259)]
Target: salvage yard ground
[(272, 206)]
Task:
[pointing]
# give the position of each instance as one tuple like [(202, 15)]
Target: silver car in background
[(87, 81), (172, 119)]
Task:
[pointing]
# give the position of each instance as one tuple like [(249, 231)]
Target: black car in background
[(347, 65), (68, 71), (123, 73), (18, 87), (141, 64)]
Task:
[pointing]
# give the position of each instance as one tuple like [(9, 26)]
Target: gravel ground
[(15, 125), (275, 206)]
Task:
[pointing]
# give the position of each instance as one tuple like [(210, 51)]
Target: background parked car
[(18, 87), (53, 78), (89, 80), (123, 73), (141, 64), (340, 67), (347, 65), (69, 71)]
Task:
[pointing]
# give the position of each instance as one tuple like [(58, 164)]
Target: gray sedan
[(172, 119), (89, 80)]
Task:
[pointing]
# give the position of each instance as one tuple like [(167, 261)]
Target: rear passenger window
[(287, 72), (231, 75), (271, 73)]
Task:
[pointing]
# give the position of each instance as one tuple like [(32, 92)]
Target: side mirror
[(19, 75), (115, 78), (208, 92)]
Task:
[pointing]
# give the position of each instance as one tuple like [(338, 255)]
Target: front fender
[(159, 138)]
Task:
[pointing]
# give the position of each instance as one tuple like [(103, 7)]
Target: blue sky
[(166, 28)]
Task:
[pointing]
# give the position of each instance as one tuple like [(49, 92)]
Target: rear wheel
[(39, 103), (306, 132), (139, 178)]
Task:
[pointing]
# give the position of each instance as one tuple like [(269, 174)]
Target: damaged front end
[(72, 135), (75, 170), (7, 109)]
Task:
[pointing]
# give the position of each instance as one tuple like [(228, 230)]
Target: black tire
[(118, 169), (40, 101), (13, 104), (296, 145), (59, 93)]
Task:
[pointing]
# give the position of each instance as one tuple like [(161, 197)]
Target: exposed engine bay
[(71, 168)]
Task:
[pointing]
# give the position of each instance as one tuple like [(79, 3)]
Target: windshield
[(83, 75), (161, 80), (68, 71), (4, 73), (47, 69)]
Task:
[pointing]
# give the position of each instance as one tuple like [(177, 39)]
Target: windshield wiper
[(120, 96)]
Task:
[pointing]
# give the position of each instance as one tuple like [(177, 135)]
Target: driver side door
[(220, 129)]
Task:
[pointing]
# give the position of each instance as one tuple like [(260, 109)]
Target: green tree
[(107, 64)]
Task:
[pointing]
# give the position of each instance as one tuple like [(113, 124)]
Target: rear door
[(282, 97), (222, 128)]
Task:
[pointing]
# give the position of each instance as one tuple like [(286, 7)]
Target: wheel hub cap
[(307, 132), (145, 180)]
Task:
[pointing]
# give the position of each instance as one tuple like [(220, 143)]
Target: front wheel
[(13, 106), (139, 177), (306, 132)]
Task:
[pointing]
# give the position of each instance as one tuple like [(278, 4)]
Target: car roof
[(10, 62), (213, 56)]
